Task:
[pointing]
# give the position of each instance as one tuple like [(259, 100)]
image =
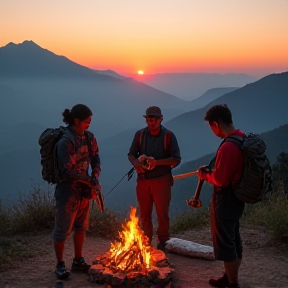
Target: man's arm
[(173, 162), (133, 155), (135, 162), (229, 160)]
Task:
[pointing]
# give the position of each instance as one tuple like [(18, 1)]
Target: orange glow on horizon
[(189, 44)]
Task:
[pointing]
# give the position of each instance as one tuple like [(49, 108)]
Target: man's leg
[(145, 207), (62, 228), (78, 239), (161, 192), (232, 269), (81, 224), (59, 247)]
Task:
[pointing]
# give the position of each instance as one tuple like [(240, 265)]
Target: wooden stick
[(181, 176)]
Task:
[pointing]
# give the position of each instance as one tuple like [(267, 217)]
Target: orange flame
[(131, 253)]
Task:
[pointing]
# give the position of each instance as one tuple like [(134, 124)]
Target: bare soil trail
[(265, 263)]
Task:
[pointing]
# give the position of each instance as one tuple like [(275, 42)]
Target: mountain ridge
[(44, 61)]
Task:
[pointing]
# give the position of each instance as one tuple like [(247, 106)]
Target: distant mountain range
[(30, 60), (32, 99), (276, 142), (209, 96), (256, 107), (190, 86)]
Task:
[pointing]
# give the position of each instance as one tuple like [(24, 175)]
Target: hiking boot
[(221, 282), (161, 246), (233, 285), (80, 265), (61, 271)]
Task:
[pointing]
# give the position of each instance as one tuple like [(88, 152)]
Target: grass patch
[(32, 213), (105, 224), (13, 250), (193, 219), (35, 212), (272, 214)]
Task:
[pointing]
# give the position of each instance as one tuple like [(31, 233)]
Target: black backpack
[(47, 141), (256, 180)]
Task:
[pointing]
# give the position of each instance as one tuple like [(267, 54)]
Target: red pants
[(157, 191)]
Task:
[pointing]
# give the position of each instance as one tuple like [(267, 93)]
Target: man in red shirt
[(226, 209)]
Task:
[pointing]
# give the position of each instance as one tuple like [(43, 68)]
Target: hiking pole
[(129, 174)]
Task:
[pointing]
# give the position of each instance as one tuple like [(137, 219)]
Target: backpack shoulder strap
[(167, 140), (88, 136), (235, 139), (140, 136), (69, 135)]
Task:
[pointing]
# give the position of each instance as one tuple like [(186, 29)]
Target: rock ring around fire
[(159, 272)]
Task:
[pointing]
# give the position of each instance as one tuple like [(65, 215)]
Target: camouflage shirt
[(74, 159)]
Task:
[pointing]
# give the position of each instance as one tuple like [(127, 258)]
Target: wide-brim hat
[(153, 111)]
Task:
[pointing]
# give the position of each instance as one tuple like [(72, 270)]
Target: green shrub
[(193, 219)]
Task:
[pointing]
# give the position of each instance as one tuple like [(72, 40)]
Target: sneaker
[(61, 271), (80, 265), (221, 282), (161, 246)]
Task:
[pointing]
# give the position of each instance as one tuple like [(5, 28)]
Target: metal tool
[(195, 202)]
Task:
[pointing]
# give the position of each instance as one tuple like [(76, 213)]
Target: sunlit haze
[(162, 36)]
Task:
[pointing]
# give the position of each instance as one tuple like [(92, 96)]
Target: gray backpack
[(256, 181)]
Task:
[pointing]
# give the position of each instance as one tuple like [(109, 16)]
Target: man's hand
[(148, 163), (95, 184), (138, 166), (151, 163), (98, 196), (204, 173)]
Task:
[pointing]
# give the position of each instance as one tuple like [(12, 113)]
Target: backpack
[(141, 135), (256, 181), (47, 141)]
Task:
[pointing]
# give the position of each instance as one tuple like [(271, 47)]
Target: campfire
[(132, 252), (131, 259)]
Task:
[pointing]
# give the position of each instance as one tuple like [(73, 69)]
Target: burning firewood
[(131, 260)]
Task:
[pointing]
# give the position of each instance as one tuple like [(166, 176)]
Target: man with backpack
[(154, 152), (75, 151), (225, 209)]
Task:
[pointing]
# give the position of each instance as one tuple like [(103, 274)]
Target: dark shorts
[(226, 211), (72, 213)]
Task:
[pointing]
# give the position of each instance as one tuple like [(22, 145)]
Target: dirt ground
[(265, 263)]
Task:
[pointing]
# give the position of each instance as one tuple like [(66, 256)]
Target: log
[(190, 249)]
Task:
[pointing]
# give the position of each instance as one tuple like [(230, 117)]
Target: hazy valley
[(37, 85)]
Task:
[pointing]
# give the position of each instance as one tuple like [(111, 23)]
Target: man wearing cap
[(159, 148)]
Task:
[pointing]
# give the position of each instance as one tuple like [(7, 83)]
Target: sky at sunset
[(155, 36)]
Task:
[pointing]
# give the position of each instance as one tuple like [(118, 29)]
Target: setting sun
[(140, 72)]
